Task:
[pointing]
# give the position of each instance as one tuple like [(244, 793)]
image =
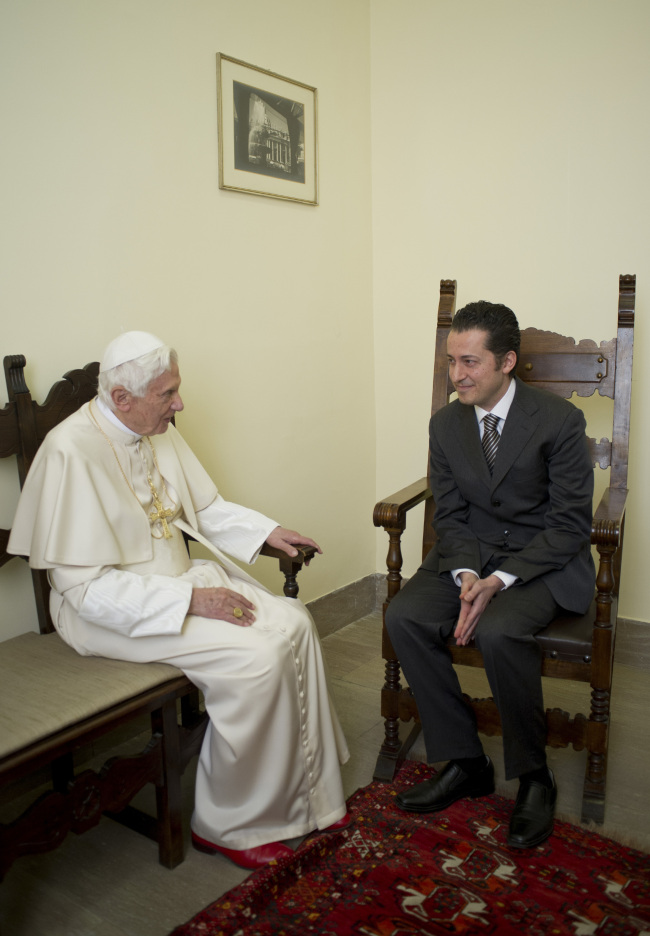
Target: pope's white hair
[(136, 375)]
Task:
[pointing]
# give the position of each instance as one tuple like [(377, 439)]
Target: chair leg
[(597, 732), (168, 790), (393, 753), (593, 801), (388, 760), (593, 796)]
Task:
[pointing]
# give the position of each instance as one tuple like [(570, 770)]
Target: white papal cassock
[(269, 765)]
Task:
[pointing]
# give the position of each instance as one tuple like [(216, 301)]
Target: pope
[(103, 509)]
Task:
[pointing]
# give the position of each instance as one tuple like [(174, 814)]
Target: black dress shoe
[(451, 784), (533, 815)]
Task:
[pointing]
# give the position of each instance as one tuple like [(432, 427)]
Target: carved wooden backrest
[(555, 362), (23, 426), (35, 420), (9, 445)]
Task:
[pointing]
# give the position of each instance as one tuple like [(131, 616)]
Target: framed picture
[(267, 133)]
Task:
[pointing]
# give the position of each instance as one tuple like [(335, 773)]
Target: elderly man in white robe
[(103, 510)]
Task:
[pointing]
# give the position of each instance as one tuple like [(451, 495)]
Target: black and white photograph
[(267, 133)]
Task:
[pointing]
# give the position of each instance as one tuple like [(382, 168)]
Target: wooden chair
[(54, 702), (577, 648)]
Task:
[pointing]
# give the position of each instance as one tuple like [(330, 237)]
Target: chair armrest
[(391, 512), (607, 525)]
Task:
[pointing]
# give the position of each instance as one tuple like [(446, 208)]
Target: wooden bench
[(54, 702)]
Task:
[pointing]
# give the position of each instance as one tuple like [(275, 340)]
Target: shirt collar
[(108, 413), (502, 407)]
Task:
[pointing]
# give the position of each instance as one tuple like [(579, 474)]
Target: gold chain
[(160, 513)]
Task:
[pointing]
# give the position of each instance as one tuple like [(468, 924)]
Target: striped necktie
[(490, 438)]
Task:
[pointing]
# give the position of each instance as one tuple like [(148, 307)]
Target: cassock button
[(496, 503)]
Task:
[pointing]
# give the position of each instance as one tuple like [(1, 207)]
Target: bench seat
[(58, 689)]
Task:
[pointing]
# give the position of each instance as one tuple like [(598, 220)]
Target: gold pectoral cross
[(160, 514)]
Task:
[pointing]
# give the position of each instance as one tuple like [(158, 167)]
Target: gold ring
[(238, 612)]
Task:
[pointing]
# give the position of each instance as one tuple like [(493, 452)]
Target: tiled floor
[(108, 882)]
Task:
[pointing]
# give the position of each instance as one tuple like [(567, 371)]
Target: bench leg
[(168, 790)]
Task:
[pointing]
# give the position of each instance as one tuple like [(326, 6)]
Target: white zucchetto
[(127, 347)]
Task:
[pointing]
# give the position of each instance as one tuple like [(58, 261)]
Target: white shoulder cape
[(76, 507)]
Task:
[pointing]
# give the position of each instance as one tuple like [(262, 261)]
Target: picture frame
[(268, 132)]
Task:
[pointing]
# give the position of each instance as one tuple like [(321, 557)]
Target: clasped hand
[(475, 595), (221, 603)]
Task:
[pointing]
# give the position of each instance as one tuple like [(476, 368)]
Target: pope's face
[(477, 377), (152, 413)]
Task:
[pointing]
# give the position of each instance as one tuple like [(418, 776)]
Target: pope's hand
[(287, 540), (222, 604)]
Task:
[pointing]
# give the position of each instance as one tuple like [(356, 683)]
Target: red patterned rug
[(397, 874)]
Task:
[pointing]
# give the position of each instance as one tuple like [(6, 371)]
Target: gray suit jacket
[(533, 516)]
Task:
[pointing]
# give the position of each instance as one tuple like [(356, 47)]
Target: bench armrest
[(290, 566), (305, 553)]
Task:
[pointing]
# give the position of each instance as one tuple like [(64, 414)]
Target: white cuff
[(137, 605), (235, 530)]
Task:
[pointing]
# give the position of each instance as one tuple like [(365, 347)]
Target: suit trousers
[(420, 619)]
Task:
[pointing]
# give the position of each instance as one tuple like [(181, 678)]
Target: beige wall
[(507, 147), (510, 152), (113, 219)]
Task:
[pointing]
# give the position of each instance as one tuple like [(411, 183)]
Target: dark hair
[(497, 320)]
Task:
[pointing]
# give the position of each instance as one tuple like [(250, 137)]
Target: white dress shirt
[(501, 410)]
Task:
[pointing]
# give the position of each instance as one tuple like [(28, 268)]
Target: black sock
[(541, 775), (472, 764)]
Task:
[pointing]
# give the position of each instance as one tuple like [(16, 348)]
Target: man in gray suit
[(512, 480)]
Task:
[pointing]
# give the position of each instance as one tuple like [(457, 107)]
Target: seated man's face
[(477, 377), (152, 413)]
